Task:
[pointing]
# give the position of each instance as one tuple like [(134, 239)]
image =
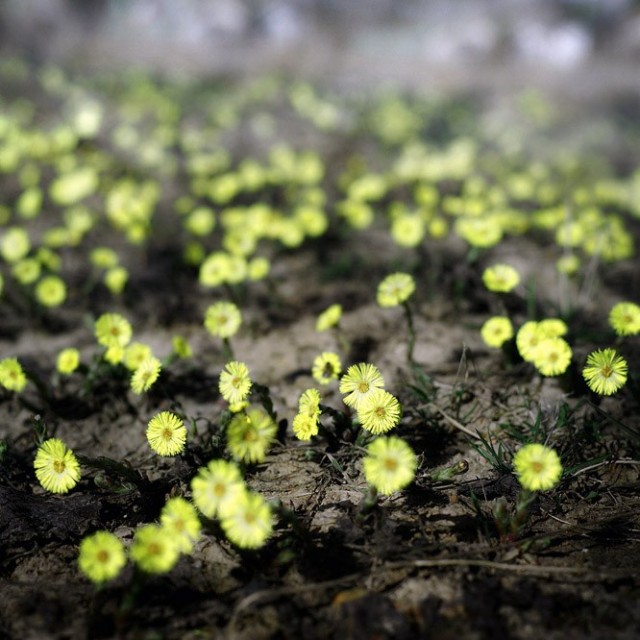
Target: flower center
[(606, 371), (537, 466), (58, 466), (363, 387), (166, 434), (390, 464), (102, 556), (219, 489), (380, 412), (155, 549), (250, 435)]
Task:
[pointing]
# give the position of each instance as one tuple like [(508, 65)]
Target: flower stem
[(411, 341)]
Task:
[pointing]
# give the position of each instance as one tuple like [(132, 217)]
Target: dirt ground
[(426, 562)]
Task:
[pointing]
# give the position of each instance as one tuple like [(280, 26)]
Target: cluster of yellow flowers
[(156, 548)]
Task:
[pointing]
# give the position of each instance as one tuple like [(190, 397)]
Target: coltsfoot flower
[(181, 347), (222, 319), (145, 375), (326, 367), (115, 279), (395, 289), (249, 523), (553, 327), (166, 434), (56, 466), (359, 381), (390, 464), (154, 549), (102, 556), (217, 487), (305, 426), (496, 331), (68, 361), (552, 356), (309, 402), (379, 412), (11, 375), (249, 435), (605, 371), (624, 318), (135, 354), (329, 317), (51, 291), (180, 518), (527, 339), (235, 383), (113, 330), (500, 278), (538, 467)]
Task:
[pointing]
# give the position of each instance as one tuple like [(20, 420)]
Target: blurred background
[(577, 46)]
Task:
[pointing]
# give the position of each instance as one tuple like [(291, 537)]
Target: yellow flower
[(11, 375), (135, 354), (222, 319), (103, 257), (500, 278), (68, 360), (180, 519), (359, 381), (408, 230), (145, 375), (181, 347), (624, 318), (154, 550), (250, 435), (538, 467), (74, 186), (552, 356), (115, 279), (102, 556), (527, 339), (309, 402), (114, 354), (568, 264), (395, 289), (480, 232), (258, 268), (112, 330), (235, 383), (217, 487), (390, 464), (249, 523), (305, 426), (200, 222), (605, 371), (329, 317), (57, 469), (15, 244), (379, 412), (326, 367), (26, 271), (553, 327), (496, 331), (51, 291), (166, 434)]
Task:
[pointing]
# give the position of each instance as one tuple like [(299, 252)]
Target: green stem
[(411, 329), (227, 350)]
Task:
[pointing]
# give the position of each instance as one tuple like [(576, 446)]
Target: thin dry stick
[(604, 464), (454, 422)]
